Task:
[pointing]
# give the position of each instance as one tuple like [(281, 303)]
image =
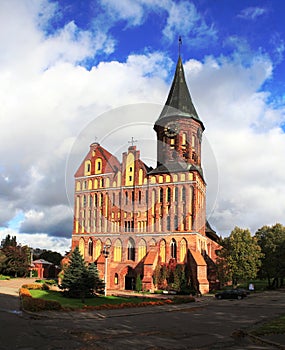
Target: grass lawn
[(76, 303), (276, 326)]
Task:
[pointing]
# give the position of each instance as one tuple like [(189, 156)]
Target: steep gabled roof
[(179, 102)]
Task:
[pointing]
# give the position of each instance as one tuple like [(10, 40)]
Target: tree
[(272, 243), (80, 281), (138, 283), (9, 241), (15, 259), (53, 257), (239, 257)]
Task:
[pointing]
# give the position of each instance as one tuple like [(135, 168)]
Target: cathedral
[(131, 219)]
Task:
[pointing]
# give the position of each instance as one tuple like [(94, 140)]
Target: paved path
[(208, 324)]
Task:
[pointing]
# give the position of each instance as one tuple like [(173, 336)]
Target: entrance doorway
[(130, 279)]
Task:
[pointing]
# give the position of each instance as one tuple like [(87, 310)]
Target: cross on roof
[(132, 141)]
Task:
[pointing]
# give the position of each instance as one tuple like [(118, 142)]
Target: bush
[(36, 286), (24, 292), (49, 282), (32, 304)]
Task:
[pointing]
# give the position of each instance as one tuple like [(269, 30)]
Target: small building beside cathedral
[(146, 219)]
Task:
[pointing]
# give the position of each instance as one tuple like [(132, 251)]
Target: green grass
[(276, 326), (76, 303), (3, 277)]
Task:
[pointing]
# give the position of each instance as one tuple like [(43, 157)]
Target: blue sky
[(65, 63)]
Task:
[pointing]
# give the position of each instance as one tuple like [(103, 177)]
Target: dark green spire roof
[(179, 102)]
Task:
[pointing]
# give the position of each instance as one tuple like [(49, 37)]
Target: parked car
[(231, 294)]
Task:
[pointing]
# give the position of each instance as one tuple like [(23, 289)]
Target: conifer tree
[(80, 281), (95, 283)]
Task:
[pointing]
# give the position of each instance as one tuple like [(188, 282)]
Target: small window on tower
[(184, 140), (172, 143)]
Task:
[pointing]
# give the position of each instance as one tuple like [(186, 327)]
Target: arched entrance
[(130, 279)]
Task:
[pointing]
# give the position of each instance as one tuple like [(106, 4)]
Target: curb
[(264, 341)]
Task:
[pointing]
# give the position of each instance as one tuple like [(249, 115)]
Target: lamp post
[(106, 254)]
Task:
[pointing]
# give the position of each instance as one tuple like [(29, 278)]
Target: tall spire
[(179, 102)]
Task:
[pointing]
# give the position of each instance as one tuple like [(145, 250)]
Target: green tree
[(272, 242), (53, 257), (138, 283), (9, 241), (240, 256), (17, 260), (94, 282), (80, 281)]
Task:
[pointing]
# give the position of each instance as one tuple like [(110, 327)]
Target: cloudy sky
[(68, 67)]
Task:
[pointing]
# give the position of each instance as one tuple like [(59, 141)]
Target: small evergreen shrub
[(35, 305), (36, 286)]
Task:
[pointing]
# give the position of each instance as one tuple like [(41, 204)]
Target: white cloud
[(184, 19), (246, 136), (251, 13), (46, 99)]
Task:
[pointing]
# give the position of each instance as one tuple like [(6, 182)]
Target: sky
[(68, 67)]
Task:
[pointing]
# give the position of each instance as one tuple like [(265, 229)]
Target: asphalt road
[(206, 324)]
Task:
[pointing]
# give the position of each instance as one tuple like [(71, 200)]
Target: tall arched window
[(173, 248), (168, 223), (98, 166), (161, 195), (162, 250), (183, 248), (81, 246), (98, 248), (118, 251), (131, 249), (183, 194), (168, 194), (142, 249), (176, 222), (90, 247), (175, 194)]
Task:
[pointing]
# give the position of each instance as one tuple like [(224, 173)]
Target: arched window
[(175, 194), (142, 249), (98, 166), (168, 223), (173, 249), (176, 222), (168, 194), (162, 250), (140, 197), (131, 249), (81, 246), (126, 198), (184, 139), (161, 195), (118, 251), (90, 247), (98, 248), (116, 279), (87, 168), (183, 248), (183, 194)]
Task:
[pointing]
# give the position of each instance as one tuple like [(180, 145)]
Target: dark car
[(231, 294)]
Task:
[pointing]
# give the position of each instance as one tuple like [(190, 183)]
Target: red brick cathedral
[(148, 218)]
